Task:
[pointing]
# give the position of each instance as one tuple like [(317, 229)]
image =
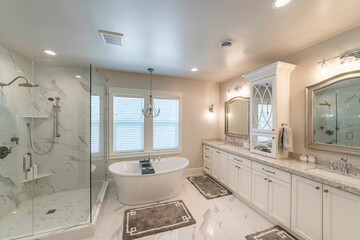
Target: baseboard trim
[(193, 172)]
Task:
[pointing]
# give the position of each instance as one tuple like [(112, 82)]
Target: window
[(133, 134), (95, 124), (166, 125), (128, 124)]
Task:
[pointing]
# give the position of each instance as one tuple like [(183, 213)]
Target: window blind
[(95, 124), (166, 125), (128, 124)]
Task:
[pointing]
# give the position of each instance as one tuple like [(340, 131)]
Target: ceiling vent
[(112, 37)]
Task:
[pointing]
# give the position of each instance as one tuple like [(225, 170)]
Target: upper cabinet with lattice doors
[(269, 106)]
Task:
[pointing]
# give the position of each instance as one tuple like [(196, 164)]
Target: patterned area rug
[(208, 187), (148, 220), (274, 233)]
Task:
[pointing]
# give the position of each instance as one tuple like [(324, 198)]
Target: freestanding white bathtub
[(135, 188)]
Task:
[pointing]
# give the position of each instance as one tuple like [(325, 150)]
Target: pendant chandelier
[(151, 110)]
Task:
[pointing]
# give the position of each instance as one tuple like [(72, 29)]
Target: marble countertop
[(289, 165)]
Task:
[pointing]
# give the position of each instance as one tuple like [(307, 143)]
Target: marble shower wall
[(69, 161), (14, 102)]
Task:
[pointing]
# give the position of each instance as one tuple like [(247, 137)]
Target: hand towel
[(285, 141)]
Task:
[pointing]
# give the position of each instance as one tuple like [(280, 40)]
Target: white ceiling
[(172, 35)]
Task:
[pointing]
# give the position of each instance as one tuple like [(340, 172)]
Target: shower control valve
[(4, 151)]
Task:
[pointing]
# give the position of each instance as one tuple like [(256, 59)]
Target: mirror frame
[(227, 133), (309, 128)]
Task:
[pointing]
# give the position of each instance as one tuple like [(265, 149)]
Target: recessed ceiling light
[(226, 44), (78, 76), (194, 69), (279, 3), (49, 52)]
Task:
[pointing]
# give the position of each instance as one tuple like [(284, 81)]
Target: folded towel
[(285, 141)]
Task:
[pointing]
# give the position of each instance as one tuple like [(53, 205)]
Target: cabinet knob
[(326, 191), (265, 179), (270, 181), (317, 188), (273, 130)]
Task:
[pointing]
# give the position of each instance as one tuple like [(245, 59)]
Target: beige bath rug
[(274, 233), (148, 220), (208, 187)]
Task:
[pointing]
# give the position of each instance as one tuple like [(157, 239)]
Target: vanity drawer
[(207, 150), (272, 172), (207, 167), (241, 160), (207, 156)]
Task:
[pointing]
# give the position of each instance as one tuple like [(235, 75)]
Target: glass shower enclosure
[(53, 147)]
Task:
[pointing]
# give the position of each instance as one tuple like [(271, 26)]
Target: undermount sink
[(335, 175)]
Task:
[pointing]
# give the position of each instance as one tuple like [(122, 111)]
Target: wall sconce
[(211, 113), (236, 91), (211, 108)]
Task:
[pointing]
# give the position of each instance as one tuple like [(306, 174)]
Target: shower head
[(28, 85), (325, 103)]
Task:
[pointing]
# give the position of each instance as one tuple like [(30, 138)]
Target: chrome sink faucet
[(344, 161)]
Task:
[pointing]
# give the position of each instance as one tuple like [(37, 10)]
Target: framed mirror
[(333, 114), (237, 117)]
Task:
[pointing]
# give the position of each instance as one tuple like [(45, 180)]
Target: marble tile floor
[(72, 208), (225, 218)]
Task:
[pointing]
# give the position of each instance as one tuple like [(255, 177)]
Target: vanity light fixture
[(235, 92), (194, 69), (280, 3), (345, 59), (49, 52), (151, 110), (324, 68)]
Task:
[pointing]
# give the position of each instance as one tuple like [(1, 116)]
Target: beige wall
[(307, 73), (197, 96)]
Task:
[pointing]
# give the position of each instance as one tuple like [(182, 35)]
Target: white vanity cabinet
[(223, 168), (341, 214), (239, 176), (271, 192), (306, 208), (207, 159), (269, 107), (218, 165)]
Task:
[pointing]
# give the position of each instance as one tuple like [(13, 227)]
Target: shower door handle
[(24, 162)]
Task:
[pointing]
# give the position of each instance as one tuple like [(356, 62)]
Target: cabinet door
[(215, 157), (245, 182), (260, 190), (232, 177), (223, 168), (264, 144), (262, 105), (280, 201), (306, 208), (341, 214)]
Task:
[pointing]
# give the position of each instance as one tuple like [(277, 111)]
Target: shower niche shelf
[(36, 178)]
